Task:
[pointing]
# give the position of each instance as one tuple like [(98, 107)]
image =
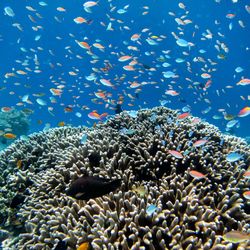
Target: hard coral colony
[(177, 210)]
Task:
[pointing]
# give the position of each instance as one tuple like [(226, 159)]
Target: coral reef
[(14, 121), (191, 213)]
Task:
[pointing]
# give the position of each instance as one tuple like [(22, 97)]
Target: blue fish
[(232, 157), (84, 138), (132, 113), (151, 209), (125, 131)]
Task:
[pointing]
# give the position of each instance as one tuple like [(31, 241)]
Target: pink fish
[(93, 115), (197, 175), (171, 92), (124, 58), (106, 82), (183, 115), (176, 154), (243, 82), (247, 174), (246, 195), (199, 143), (244, 112)]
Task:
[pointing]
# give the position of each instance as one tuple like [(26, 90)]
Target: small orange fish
[(84, 45), (80, 20), (6, 109), (61, 9), (68, 109), (94, 115), (244, 112), (9, 136), (183, 115), (83, 246), (247, 174), (124, 58), (98, 46), (135, 37), (243, 82), (128, 68), (57, 92), (246, 194), (61, 124)]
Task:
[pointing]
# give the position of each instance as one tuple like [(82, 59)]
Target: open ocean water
[(41, 52)]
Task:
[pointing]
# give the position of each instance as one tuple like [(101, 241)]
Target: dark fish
[(145, 66), (61, 245), (17, 200), (182, 100), (118, 108), (88, 187)]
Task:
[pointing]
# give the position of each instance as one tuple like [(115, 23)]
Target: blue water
[(56, 54)]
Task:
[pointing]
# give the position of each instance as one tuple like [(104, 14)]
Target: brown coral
[(191, 214)]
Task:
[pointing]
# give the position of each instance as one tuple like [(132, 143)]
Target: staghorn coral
[(191, 213)]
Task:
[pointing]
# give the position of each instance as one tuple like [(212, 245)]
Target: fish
[(84, 246), (89, 4), (183, 115), (246, 195), (244, 112), (84, 139), (19, 163), (197, 175), (233, 156), (61, 124), (243, 82), (61, 245), (17, 200), (8, 11), (247, 174), (9, 136), (176, 154), (199, 143), (140, 190), (118, 108), (151, 209), (125, 131), (80, 20), (182, 42), (88, 187), (236, 236)]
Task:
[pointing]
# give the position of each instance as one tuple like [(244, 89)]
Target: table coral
[(191, 213)]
